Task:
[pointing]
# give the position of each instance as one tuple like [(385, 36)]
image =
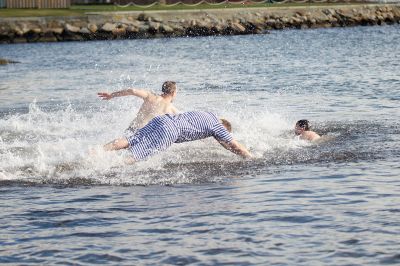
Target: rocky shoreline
[(6, 61), (156, 24)]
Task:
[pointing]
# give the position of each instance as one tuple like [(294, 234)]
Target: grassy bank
[(80, 10)]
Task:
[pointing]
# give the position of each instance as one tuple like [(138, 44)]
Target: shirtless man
[(302, 129), (153, 105)]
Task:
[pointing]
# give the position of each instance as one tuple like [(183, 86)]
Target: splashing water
[(59, 139), (65, 144)]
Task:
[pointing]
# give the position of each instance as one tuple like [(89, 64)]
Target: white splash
[(67, 143)]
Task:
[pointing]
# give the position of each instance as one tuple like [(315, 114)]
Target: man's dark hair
[(303, 124), (169, 87)]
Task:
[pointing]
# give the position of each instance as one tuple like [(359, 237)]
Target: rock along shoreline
[(181, 23)]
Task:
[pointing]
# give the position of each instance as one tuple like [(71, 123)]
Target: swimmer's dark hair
[(305, 124), (169, 87), (226, 124)]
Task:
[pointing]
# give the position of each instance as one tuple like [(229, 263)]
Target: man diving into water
[(164, 130), (153, 105)]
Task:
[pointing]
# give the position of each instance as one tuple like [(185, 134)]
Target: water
[(296, 203)]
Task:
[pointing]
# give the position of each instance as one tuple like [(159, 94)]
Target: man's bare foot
[(129, 160)]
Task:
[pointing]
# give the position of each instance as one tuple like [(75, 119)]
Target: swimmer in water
[(153, 105), (302, 129)]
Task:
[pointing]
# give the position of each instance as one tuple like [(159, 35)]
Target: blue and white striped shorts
[(157, 135)]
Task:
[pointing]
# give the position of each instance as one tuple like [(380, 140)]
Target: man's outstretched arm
[(134, 92), (236, 148)]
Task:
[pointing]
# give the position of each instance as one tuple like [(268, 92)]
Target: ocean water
[(296, 203)]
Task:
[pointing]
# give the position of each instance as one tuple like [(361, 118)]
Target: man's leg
[(117, 144)]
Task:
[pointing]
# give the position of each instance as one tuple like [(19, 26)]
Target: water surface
[(296, 203)]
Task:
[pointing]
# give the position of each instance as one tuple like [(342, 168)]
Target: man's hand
[(105, 95), (236, 148)]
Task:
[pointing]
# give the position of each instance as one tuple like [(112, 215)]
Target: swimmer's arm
[(236, 148), (135, 92)]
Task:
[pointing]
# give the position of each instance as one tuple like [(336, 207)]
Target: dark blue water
[(296, 203)]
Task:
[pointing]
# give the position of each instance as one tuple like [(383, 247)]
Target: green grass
[(80, 10)]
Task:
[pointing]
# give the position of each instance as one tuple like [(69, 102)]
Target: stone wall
[(153, 24)]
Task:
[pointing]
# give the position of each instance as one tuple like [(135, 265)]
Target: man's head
[(169, 88), (226, 124), (301, 126)]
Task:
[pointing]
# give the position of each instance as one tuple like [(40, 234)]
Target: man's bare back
[(153, 105)]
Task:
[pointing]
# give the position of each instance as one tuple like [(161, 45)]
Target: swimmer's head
[(226, 124), (301, 126), (169, 88)]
